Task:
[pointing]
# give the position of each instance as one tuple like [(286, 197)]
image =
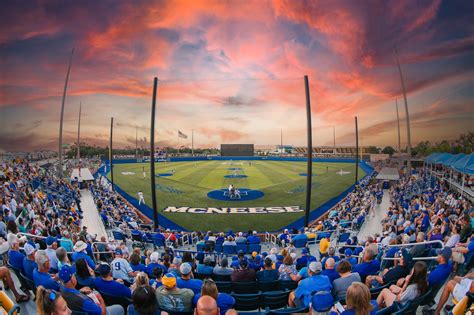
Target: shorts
[(461, 289)]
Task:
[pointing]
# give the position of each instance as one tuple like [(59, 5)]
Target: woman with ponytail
[(50, 302)]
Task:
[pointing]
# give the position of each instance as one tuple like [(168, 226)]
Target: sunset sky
[(233, 70)]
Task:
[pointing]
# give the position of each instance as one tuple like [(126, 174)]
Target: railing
[(414, 244)]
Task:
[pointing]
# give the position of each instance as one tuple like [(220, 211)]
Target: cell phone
[(339, 307)]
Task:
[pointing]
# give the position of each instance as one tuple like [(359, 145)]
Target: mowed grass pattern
[(279, 180)]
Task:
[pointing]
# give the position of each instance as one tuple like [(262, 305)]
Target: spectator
[(83, 275), (186, 281), (41, 275), (223, 268), (462, 253), (206, 268), (224, 301), (135, 263), (66, 242), (440, 274), (329, 270), (80, 252), (52, 245), (358, 301), (154, 263), (121, 268), (107, 285), (172, 299), (230, 241), (454, 238), (458, 287), (144, 301), (174, 266), (301, 297), (62, 257), (303, 260), (253, 239), (331, 254), (29, 263), (268, 273), (347, 277), (243, 273), (287, 271), (50, 302), (158, 275), (323, 247), (84, 300), (241, 239), (140, 279), (401, 270), (349, 258), (414, 287), (206, 305), (369, 265), (15, 258), (466, 228)]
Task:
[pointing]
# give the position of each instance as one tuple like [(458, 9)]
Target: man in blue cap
[(52, 245), (106, 284), (302, 296), (83, 300), (121, 268), (441, 273)]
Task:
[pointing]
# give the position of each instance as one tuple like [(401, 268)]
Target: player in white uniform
[(140, 198), (121, 268)]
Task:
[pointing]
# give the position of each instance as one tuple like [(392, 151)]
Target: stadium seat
[(244, 287), (290, 310), (229, 249), (288, 285), (412, 305), (224, 286), (29, 284), (200, 247), (246, 302), (266, 286), (9, 306), (118, 236), (255, 248), (158, 242), (242, 247), (274, 300), (343, 237), (218, 248)]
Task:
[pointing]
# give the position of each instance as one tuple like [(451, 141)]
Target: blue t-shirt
[(331, 274), (374, 310), (15, 258), (152, 266), (205, 270), (111, 287), (139, 267), (45, 280), (88, 305), (367, 268), (193, 284), (76, 256), (224, 301), (267, 275), (253, 239), (308, 286), (439, 275), (28, 267)]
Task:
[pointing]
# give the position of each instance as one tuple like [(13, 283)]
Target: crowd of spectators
[(58, 262)]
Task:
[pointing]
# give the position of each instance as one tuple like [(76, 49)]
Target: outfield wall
[(298, 224)]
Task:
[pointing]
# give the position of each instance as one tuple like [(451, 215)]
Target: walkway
[(91, 217), (372, 225)]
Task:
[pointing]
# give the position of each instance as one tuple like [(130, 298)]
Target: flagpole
[(357, 151), (281, 141), (334, 138), (192, 142), (61, 121), (407, 116), (152, 156), (111, 156), (136, 143), (79, 133), (309, 171)]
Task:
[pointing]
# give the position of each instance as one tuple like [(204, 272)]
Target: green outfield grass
[(279, 180)]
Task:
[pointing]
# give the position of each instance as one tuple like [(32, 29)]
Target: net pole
[(309, 171), (152, 155), (111, 156), (357, 151)]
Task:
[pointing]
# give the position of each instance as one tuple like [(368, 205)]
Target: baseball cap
[(406, 256), (348, 252), (304, 251), (169, 280), (50, 240), (445, 252), (185, 268), (280, 257), (322, 301), (104, 269), (29, 249), (65, 273), (118, 251), (254, 254), (315, 266)]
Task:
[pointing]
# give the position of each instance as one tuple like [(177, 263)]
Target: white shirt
[(120, 269)]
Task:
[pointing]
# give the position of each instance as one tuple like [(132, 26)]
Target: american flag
[(182, 135)]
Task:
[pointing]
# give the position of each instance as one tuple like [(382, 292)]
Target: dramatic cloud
[(233, 70)]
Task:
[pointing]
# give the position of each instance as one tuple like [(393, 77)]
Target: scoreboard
[(237, 150)]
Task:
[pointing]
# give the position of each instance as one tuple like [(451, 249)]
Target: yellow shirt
[(324, 246)]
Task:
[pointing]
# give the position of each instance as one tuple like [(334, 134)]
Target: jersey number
[(117, 266)]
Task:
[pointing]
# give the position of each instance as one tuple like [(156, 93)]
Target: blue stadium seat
[(255, 248), (118, 236), (246, 302), (218, 248), (229, 249), (274, 300), (300, 243), (244, 287), (224, 286), (242, 247)]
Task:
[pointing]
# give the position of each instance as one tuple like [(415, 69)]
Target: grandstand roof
[(388, 173), (453, 159), (442, 157), (431, 157), (465, 165)]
